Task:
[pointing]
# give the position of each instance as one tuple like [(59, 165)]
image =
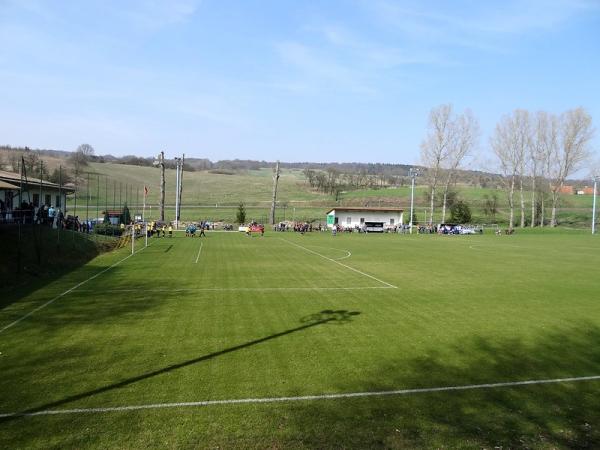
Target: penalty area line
[(49, 302), (199, 251), (258, 289), (341, 264), (398, 392)]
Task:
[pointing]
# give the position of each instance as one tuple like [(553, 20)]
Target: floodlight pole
[(274, 197), (176, 189), (413, 174), (178, 212), (160, 162), (178, 176), (594, 207)]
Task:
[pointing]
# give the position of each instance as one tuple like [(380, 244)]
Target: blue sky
[(292, 80)]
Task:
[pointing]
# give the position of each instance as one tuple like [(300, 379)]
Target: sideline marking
[(67, 291), (304, 288), (299, 398), (341, 264), (199, 250)]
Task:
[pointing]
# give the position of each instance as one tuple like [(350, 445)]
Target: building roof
[(366, 209), (5, 185), (15, 179)]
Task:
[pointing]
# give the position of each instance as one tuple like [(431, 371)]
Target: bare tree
[(540, 153), (574, 134), (274, 198), (434, 149), (310, 175), (332, 179), (464, 135), (31, 160), (86, 149), (81, 157), (507, 145), (14, 161), (522, 128)]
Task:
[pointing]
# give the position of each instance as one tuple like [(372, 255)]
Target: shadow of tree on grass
[(563, 415), (321, 318)]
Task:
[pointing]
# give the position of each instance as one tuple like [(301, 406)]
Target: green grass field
[(231, 320)]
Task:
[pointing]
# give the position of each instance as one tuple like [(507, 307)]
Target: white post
[(132, 239), (412, 202), (176, 191), (594, 207), (413, 174), (146, 231)]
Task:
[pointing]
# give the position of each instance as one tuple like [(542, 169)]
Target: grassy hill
[(207, 195), (214, 196)]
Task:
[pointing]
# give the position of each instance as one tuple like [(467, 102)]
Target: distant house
[(114, 215), (587, 190), (368, 219), (567, 190), (14, 191)]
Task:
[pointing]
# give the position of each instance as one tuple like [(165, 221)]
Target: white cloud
[(156, 14), (479, 25), (320, 68), (342, 59)]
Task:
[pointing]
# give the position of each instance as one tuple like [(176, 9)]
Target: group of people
[(28, 213), (190, 230), (298, 227), (156, 229), (255, 227)]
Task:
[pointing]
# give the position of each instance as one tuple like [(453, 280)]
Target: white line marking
[(199, 250), (348, 253), (300, 398), (341, 264), (67, 292), (142, 289)]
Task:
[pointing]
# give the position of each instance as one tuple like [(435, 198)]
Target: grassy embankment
[(41, 256)]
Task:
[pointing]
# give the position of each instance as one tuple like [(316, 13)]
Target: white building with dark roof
[(14, 190), (364, 218)]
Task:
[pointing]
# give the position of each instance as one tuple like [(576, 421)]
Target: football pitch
[(310, 341)]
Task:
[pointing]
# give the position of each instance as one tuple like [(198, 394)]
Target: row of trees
[(450, 139), (540, 151), (535, 152), (331, 180)]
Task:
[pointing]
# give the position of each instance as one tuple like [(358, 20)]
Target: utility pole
[(160, 162), (274, 199), (414, 173), (41, 177), (62, 207), (180, 187), (87, 202), (177, 162), (594, 207)]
